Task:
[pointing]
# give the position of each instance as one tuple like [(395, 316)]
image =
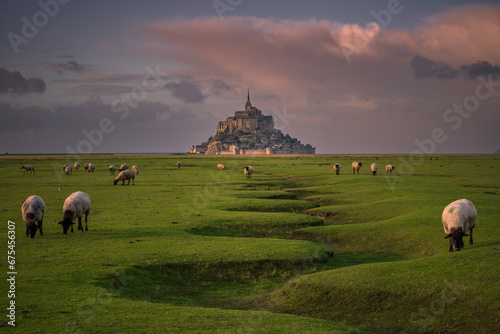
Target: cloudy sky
[(363, 76)]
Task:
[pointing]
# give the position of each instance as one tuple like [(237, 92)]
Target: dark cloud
[(472, 71), (72, 65), (186, 91), (218, 85), (15, 83), (423, 68)]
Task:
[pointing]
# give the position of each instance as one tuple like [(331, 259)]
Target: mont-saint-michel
[(251, 132)]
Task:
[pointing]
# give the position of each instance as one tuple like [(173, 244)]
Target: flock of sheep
[(458, 218)]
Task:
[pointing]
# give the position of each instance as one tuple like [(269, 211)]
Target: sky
[(153, 76)]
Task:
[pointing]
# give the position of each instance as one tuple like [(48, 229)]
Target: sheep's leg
[(27, 230), (86, 215), (71, 224), (133, 181), (40, 227), (80, 227), (470, 239), (451, 247)]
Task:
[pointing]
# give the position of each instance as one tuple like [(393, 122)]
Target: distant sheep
[(123, 167), (178, 164), (28, 169), (336, 168), (356, 166), (458, 218), (64, 166), (77, 164), (68, 170), (221, 166), (125, 175), (33, 210), (248, 170), (91, 167), (86, 166), (389, 169), (112, 169), (75, 206), (374, 168), (135, 168)]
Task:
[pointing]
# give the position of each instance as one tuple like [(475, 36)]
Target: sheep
[(33, 210), (248, 171), (221, 166), (91, 167), (64, 167), (75, 206), (389, 169), (356, 166), (123, 167), (86, 166), (135, 168), (336, 168), (28, 168), (374, 168), (68, 170), (178, 164), (125, 175), (458, 218), (77, 164), (112, 169)]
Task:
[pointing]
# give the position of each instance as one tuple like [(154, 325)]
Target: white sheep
[(91, 167), (64, 167), (86, 166), (356, 166), (68, 170), (248, 170), (458, 218), (125, 175), (123, 167), (389, 169), (77, 164), (28, 169), (112, 169), (374, 168), (178, 164), (135, 168), (33, 210), (75, 206), (336, 168), (221, 166)]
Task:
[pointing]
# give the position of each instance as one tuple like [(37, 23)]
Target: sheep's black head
[(456, 240), (115, 182), (66, 225), (360, 164)]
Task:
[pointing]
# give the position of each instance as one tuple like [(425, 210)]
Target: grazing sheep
[(458, 218), (135, 168), (356, 166), (374, 168), (336, 168), (248, 171), (112, 169), (178, 164), (68, 170), (389, 169), (75, 206), (33, 210), (125, 175), (77, 164), (221, 166), (91, 167), (64, 167), (86, 166), (123, 167), (28, 168)]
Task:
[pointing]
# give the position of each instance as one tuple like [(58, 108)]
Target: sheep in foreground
[(389, 169), (28, 169), (68, 170), (112, 169), (374, 168), (75, 206), (356, 166), (125, 175), (86, 166), (178, 164), (248, 171), (458, 218), (77, 164), (336, 168), (123, 167), (135, 168), (91, 167), (221, 166), (33, 210)]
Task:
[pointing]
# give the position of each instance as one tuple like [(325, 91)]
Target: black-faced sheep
[(64, 167), (123, 167), (221, 166), (356, 166), (336, 168), (28, 169), (458, 218), (248, 170), (112, 169), (68, 170), (135, 168), (33, 210), (374, 168), (77, 164), (178, 164), (389, 169), (125, 175), (86, 166), (75, 206), (91, 167)]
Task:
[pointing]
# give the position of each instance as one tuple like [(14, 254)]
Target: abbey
[(250, 132)]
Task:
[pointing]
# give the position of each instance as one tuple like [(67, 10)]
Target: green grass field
[(294, 249)]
